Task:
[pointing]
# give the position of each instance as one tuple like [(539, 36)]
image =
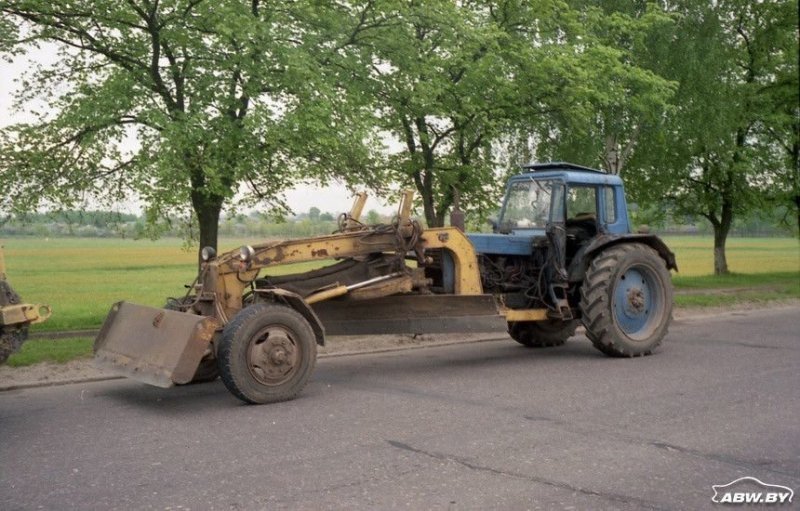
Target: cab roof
[(558, 165), (569, 172)]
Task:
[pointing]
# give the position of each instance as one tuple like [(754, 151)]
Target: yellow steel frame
[(228, 277), (22, 312)]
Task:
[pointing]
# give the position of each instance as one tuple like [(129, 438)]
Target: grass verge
[(725, 290), (57, 351)]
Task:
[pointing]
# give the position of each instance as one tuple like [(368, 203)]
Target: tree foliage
[(180, 102), (729, 58), (450, 79), (619, 101)]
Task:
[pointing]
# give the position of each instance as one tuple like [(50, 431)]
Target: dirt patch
[(728, 290), (84, 370)]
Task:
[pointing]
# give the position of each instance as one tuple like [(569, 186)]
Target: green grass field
[(81, 278), (745, 255)]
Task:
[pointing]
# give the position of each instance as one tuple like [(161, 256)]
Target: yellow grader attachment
[(15, 316), (157, 346), (259, 331)]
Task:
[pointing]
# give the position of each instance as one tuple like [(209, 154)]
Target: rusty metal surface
[(155, 346), (24, 313), (468, 278), (395, 285), (411, 314)]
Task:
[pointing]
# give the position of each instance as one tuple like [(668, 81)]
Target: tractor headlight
[(208, 253), (246, 253)]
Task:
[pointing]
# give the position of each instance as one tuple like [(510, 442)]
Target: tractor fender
[(296, 302), (582, 259)]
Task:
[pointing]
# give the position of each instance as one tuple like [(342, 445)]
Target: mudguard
[(580, 262)]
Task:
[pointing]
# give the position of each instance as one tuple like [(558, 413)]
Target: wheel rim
[(273, 355), (638, 304)]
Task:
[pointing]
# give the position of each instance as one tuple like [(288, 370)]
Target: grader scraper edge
[(155, 346)]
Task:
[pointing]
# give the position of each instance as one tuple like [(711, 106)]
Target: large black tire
[(207, 370), (11, 339), (267, 353), (626, 300), (541, 334)]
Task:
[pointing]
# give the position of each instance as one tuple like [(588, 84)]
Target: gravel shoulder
[(83, 370)]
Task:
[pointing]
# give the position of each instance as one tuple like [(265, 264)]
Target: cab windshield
[(528, 204)]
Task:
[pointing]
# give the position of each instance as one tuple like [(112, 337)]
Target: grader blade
[(155, 346), (411, 314)]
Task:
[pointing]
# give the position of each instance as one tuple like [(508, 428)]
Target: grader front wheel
[(626, 300), (267, 353)]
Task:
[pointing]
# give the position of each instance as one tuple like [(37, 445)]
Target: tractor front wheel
[(267, 353), (626, 300), (541, 334)]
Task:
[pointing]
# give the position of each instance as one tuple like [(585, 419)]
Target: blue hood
[(506, 244)]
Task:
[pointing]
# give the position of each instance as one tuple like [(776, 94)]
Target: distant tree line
[(105, 224)]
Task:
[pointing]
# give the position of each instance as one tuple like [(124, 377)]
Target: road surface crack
[(729, 460), (625, 499)]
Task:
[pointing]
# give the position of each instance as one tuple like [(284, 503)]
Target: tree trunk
[(797, 207), (721, 230), (720, 261), (428, 207), (207, 208)]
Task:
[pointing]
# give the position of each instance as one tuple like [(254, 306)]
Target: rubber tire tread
[(531, 334), (231, 353), (596, 302)]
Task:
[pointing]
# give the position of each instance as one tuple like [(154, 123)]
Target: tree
[(713, 162), (611, 120), (373, 217), (780, 123), (447, 78), (313, 214), (179, 102)]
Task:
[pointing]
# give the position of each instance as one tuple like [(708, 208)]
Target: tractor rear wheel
[(626, 300), (267, 353), (207, 370), (541, 334)]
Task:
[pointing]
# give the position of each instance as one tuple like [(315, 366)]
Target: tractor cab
[(585, 201)]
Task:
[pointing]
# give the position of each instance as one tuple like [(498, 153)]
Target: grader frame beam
[(226, 279)]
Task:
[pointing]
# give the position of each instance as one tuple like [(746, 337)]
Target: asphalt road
[(487, 425)]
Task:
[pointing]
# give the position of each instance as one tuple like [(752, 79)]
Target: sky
[(334, 198)]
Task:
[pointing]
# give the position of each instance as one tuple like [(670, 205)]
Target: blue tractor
[(563, 242)]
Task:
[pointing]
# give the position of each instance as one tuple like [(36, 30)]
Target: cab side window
[(611, 205), (582, 203)]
